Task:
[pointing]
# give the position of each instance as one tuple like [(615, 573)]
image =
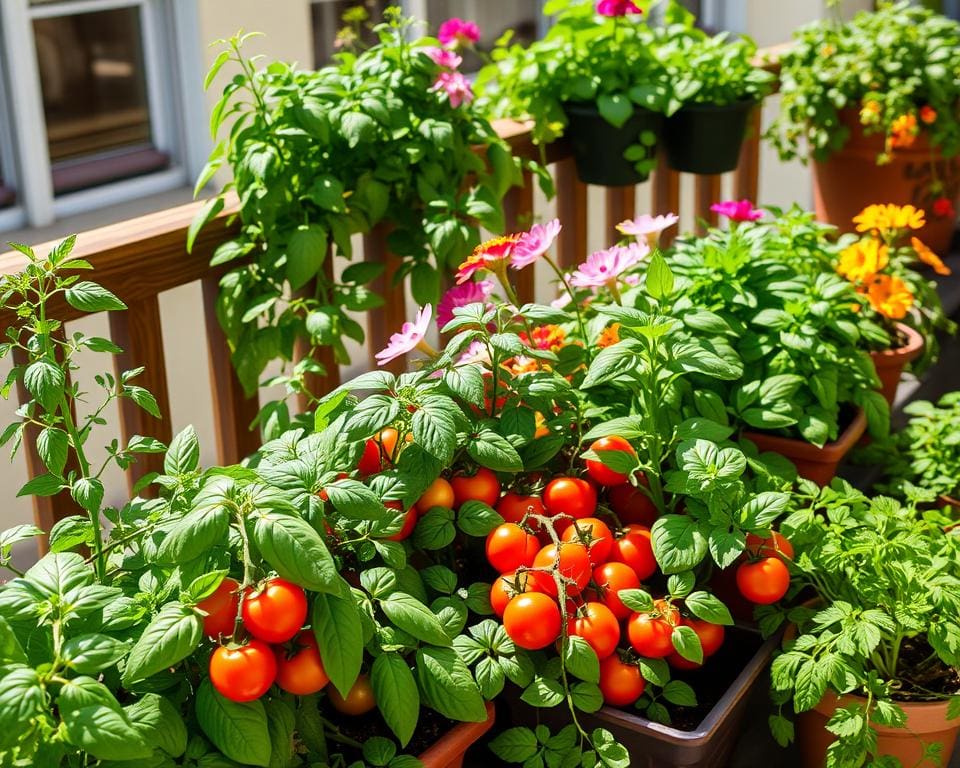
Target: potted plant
[(876, 99), (871, 668), (596, 78), (719, 86), (808, 390), (881, 264)]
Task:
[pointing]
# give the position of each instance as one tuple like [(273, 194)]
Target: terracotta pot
[(926, 724), (891, 362), (449, 750), (849, 180), (817, 464)]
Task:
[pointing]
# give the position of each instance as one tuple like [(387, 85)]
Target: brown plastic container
[(850, 180), (891, 362), (652, 745), (813, 463), (926, 724), (449, 750)]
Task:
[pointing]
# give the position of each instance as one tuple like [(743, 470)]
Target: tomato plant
[(651, 633), (596, 624), (610, 579), (572, 562), (506, 587), (513, 507), (243, 673), (359, 700), (770, 546), (438, 494), (571, 496)]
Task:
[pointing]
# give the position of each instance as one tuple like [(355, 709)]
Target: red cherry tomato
[(482, 486), (632, 505), (677, 661), (574, 564), (610, 579), (764, 581), (438, 494), (359, 700), (650, 633), (369, 463), (410, 518), (599, 471), (532, 620), (275, 612), (595, 534), (634, 548), (221, 608), (571, 496), (507, 587), (510, 547), (711, 639), (301, 671), (621, 684), (244, 673), (776, 544), (514, 506), (596, 624)]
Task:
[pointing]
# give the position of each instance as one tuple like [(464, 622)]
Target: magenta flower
[(455, 32), (737, 210), (460, 296), (455, 86), (616, 7), (645, 225), (443, 57), (604, 267), (410, 337), (534, 243)]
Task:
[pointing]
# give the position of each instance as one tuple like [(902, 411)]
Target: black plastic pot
[(598, 146), (651, 745), (706, 138)]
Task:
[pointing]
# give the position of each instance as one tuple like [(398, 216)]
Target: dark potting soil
[(922, 673), (430, 727)]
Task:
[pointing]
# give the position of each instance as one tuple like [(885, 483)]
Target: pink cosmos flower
[(460, 296), (604, 267), (616, 7), (455, 86), (647, 224), (455, 32), (443, 57), (737, 210), (534, 243), (409, 338)]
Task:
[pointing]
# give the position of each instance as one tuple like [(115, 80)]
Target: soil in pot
[(706, 138), (599, 147), (890, 363), (850, 179)]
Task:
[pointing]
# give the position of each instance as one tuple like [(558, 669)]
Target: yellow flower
[(862, 260), (609, 336), (549, 337), (870, 112), (928, 257), (884, 218), (890, 296)]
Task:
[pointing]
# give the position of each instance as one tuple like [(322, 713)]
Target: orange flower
[(549, 337), (870, 112), (491, 255), (862, 260), (609, 336), (928, 257), (520, 364), (904, 131), (928, 114), (889, 217), (890, 296)]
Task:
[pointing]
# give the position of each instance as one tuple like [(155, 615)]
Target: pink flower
[(455, 32), (616, 7), (410, 337), (476, 353), (534, 243), (737, 210), (443, 57), (604, 267), (460, 296), (455, 86), (647, 224)]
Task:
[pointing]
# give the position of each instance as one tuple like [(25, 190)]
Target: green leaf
[(659, 277), (412, 616), (239, 730), (183, 455), (493, 451), (106, 733), (587, 697), (515, 745), (281, 723), (581, 659), (447, 685), (92, 653), (21, 699), (91, 297), (763, 509), (159, 723), (708, 607), (11, 652), (615, 108), (636, 599), (336, 625), (41, 485), (355, 500), (192, 535), (88, 493), (680, 694), (475, 518), (436, 432), (208, 211), (357, 128), (678, 543), (52, 444), (172, 635), (490, 677), (435, 530), (296, 551), (687, 644), (397, 696), (306, 252), (543, 692), (83, 691), (45, 381)]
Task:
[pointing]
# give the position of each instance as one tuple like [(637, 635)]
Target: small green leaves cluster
[(901, 57), (883, 624)]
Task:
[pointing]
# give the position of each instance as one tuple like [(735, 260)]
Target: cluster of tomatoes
[(590, 563)]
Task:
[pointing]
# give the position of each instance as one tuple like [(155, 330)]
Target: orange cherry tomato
[(410, 518), (776, 544), (634, 548), (620, 683), (596, 624), (510, 547), (359, 700), (508, 586), (610, 579), (532, 620), (481, 486), (651, 633), (275, 612), (571, 496), (513, 507), (438, 494), (595, 534), (243, 673), (301, 671), (632, 505), (221, 608), (573, 562), (763, 581), (599, 471)]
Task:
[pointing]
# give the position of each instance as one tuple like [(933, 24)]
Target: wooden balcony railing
[(141, 258)]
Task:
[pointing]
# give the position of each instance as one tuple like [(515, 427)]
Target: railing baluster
[(518, 215), (137, 332), (706, 192), (666, 195), (572, 211), (386, 320), (621, 205), (233, 411), (746, 178)]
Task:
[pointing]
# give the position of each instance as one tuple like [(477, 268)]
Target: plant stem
[(576, 306)]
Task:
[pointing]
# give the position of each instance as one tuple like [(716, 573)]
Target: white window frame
[(169, 30)]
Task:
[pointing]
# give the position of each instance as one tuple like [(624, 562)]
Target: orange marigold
[(890, 296), (884, 218), (609, 336), (904, 131), (928, 257), (551, 337), (862, 260)]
